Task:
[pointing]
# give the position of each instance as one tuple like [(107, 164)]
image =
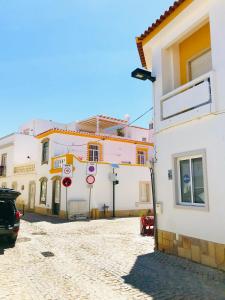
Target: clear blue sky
[(65, 60)]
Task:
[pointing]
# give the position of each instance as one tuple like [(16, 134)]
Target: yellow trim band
[(59, 131)]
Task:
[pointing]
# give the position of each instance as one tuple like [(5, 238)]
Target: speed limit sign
[(67, 171)]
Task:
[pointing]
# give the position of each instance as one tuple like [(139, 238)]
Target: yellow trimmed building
[(184, 50), (33, 161)]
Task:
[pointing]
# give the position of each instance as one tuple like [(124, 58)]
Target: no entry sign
[(67, 181), (90, 179)]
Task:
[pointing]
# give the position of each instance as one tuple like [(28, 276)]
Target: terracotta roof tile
[(151, 28)]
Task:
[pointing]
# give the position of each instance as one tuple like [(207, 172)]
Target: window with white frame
[(191, 181), (93, 152), (144, 191)]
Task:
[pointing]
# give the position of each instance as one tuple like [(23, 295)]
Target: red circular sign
[(67, 181), (90, 179)]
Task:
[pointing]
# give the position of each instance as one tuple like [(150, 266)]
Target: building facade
[(32, 162), (184, 50)]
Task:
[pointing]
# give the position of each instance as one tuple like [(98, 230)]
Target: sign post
[(67, 174), (67, 181), (114, 166), (90, 179)]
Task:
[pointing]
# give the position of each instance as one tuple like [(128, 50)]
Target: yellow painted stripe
[(52, 131), (59, 170)]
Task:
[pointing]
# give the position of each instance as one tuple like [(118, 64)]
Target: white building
[(185, 51), (32, 163)]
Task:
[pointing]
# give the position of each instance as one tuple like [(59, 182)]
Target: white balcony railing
[(188, 97)]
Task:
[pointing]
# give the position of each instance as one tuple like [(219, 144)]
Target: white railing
[(192, 95)]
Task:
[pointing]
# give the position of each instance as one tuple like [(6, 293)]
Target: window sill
[(192, 207), (143, 203)]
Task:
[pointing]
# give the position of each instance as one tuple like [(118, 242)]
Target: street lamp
[(143, 75)]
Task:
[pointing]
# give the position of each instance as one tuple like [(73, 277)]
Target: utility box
[(159, 208)]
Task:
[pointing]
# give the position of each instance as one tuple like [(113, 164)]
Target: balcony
[(58, 161), (192, 100)]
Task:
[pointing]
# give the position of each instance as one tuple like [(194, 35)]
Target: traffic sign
[(67, 170), (67, 181), (91, 168), (90, 179)]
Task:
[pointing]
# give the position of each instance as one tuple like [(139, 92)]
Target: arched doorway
[(56, 195), (32, 193)]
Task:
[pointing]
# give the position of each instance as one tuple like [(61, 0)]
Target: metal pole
[(89, 203), (154, 209), (113, 197), (66, 206)]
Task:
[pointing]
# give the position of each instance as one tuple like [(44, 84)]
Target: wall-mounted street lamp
[(143, 75)]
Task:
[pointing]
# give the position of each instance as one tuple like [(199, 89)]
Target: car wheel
[(12, 240)]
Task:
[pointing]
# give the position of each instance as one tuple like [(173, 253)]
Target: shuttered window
[(144, 191)]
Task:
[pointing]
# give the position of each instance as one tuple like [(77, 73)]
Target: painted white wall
[(21, 146), (197, 131), (113, 151), (126, 198)]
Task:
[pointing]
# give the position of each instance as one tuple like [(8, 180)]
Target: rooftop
[(159, 24)]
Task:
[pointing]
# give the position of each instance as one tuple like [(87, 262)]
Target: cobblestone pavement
[(100, 259)]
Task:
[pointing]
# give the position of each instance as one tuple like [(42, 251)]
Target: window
[(191, 181), (45, 151), (3, 164), (200, 65), (142, 156), (43, 190), (94, 152), (144, 191)]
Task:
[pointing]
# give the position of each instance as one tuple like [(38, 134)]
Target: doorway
[(32, 192), (56, 196)]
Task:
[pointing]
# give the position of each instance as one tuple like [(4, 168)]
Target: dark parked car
[(9, 215)]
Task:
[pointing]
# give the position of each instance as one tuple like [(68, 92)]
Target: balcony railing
[(191, 96), (58, 161)]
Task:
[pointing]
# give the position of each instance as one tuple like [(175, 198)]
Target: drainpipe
[(151, 168)]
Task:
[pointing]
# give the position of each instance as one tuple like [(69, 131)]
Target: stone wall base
[(201, 251), (100, 214)]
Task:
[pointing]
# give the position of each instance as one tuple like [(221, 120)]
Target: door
[(56, 196), (32, 191)]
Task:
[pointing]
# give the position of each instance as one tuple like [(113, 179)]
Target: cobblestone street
[(100, 259)]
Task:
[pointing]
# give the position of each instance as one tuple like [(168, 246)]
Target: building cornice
[(90, 135)]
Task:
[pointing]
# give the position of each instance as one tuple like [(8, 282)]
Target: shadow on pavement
[(163, 276), (34, 218)]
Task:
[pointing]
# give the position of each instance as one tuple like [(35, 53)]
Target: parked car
[(9, 215)]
